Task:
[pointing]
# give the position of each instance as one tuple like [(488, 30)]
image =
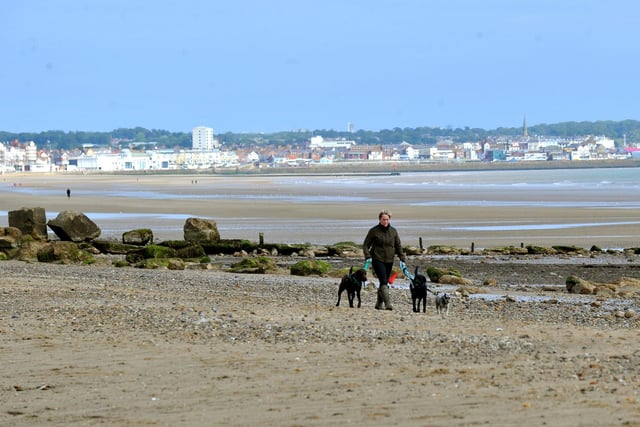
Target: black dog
[(352, 283), (418, 287)]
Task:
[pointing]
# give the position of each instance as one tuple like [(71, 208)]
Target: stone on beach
[(74, 226), (31, 221), (201, 230), (137, 237)]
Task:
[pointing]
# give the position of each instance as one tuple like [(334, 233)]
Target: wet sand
[(287, 211)]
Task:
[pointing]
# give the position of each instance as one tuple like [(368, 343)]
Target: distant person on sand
[(68, 193), (382, 244)]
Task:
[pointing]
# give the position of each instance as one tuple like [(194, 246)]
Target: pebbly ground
[(102, 345)]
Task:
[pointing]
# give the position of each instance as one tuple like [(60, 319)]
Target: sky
[(281, 65)]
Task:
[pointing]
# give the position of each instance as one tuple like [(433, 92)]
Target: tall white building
[(202, 139)]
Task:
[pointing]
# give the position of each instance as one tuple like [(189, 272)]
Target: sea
[(492, 207)]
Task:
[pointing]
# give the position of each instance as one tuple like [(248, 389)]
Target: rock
[(489, 281), (311, 267), (574, 250), (466, 290), (507, 250), (30, 221), (318, 251), (348, 249), (74, 226), (604, 290), (540, 250), (413, 250), (450, 279), (10, 238), (65, 252), (436, 273), (138, 237), (444, 250), (113, 247), (158, 251), (258, 265), (175, 264), (624, 287), (576, 285), (191, 251), (201, 230)]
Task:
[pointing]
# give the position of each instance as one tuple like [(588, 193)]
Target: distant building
[(319, 142), (350, 127), (202, 139)]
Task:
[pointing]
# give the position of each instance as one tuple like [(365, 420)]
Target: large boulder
[(74, 226), (201, 230), (30, 221)]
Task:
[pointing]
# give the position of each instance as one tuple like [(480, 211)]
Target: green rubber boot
[(384, 290), (380, 300)]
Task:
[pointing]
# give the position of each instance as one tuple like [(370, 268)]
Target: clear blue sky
[(279, 65)]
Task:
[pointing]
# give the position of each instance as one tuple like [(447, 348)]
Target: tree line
[(56, 139)]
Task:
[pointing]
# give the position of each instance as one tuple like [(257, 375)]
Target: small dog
[(442, 303), (352, 283), (418, 287)]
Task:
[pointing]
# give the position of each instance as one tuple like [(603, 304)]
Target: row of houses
[(28, 157)]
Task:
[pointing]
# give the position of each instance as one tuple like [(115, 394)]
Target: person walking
[(381, 245)]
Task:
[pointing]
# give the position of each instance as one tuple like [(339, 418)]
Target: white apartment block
[(202, 139)]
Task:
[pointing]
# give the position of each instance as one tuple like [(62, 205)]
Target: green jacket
[(382, 244)]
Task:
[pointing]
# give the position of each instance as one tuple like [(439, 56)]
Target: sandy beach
[(99, 345), (326, 210)]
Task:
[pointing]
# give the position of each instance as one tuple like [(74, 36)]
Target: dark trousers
[(382, 270)]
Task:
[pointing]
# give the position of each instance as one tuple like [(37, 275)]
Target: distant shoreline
[(368, 168), (387, 168)]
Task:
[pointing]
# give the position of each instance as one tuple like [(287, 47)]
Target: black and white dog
[(442, 303), (352, 283), (418, 287)]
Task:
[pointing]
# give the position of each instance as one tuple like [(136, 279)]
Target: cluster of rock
[(78, 241), (527, 250), (623, 287)]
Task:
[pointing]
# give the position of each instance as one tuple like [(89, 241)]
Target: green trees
[(620, 131)]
